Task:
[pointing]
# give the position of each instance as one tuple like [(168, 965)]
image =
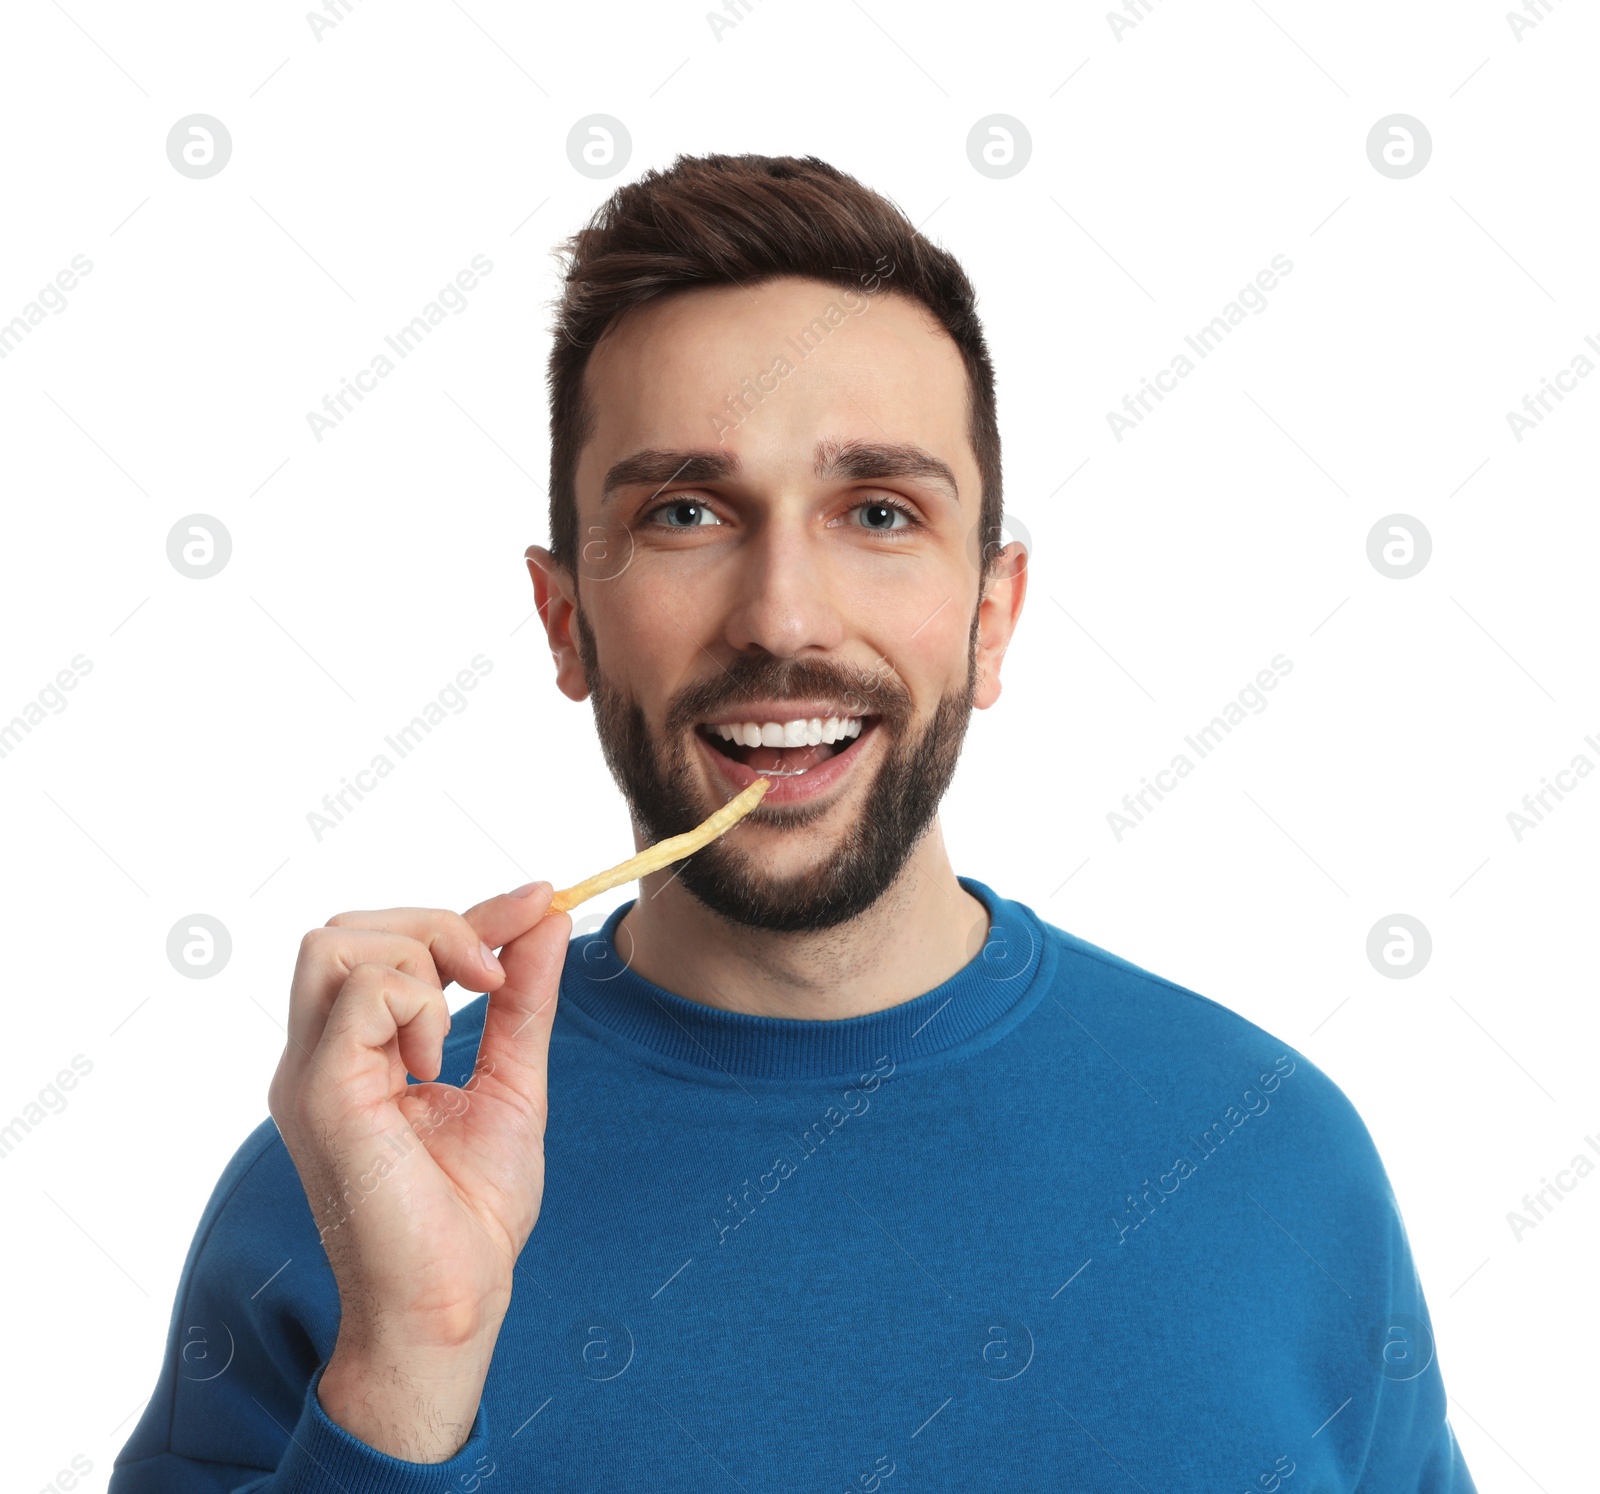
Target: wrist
[(416, 1405)]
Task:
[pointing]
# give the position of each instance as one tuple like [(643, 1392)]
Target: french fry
[(665, 852)]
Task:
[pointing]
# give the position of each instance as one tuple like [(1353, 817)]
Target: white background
[(1167, 168)]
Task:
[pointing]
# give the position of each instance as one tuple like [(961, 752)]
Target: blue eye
[(879, 506), (678, 504)]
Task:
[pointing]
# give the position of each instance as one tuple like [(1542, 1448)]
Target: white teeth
[(801, 733)]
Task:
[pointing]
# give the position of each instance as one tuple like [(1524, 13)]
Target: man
[(817, 1166)]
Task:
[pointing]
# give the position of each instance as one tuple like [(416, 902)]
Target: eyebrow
[(851, 460)]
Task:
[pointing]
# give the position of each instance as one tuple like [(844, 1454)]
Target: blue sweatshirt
[(1055, 1224)]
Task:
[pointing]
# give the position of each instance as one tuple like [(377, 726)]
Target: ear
[(556, 596), (1003, 591)]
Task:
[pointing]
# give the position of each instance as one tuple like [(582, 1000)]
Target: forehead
[(799, 360)]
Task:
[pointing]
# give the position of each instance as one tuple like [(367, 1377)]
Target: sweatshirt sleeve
[(1413, 1449), (1391, 1370), (254, 1322)]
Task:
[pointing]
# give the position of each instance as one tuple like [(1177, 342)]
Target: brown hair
[(724, 220)]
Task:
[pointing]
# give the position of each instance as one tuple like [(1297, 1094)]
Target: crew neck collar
[(996, 981)]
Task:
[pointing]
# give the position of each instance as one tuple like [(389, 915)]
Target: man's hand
[(424, 1193)]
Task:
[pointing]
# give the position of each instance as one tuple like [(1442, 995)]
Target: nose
[(786, 597)]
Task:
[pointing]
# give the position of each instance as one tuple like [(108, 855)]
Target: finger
[(502, 918), (514, 1051), (327, 956), (377, 1006), (456, 948)]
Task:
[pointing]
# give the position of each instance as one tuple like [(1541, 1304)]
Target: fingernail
[(490, 964), (530, 887)]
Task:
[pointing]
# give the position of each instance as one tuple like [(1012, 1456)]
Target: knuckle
[(312, 944), (456, 927), (455, 942), (416, 960), (366, 979)]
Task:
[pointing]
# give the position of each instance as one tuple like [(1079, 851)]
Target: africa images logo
[(1142, 1207)]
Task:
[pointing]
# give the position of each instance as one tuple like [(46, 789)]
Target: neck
[(924, 928)]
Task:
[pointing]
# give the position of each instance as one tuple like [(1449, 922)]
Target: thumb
[(516, 1029)]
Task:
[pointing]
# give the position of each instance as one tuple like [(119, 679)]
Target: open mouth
[(788, 761)]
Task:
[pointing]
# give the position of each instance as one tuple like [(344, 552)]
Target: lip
[(811, 784)]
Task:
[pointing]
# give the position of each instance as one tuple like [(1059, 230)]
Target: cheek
[(926, 650), (927, 634), (648, 636)]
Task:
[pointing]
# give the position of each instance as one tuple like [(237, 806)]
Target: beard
[(666, 796)]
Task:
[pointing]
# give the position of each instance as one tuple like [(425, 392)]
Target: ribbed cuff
[(323, 1458)]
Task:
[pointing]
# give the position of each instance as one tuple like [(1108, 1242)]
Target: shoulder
[(1198, 1056), (258, 1215), (248, 1201), (256, 1248), (256, 1309)]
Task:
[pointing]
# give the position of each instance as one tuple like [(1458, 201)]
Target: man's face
[(765, 558)]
